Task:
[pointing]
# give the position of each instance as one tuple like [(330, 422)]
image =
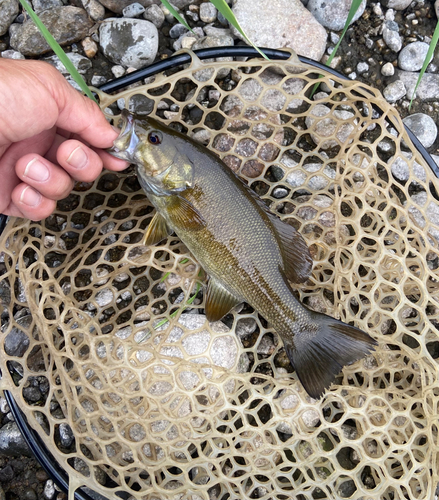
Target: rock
[(332, 14), (423, 126), (12, 54), (177, 30), (90, 47), (41, 5), (81, 63), (118, 71), (411, 57), (17, 342), (133, 10), (394, 91), (154, 14), (436, 8), (6, 474), (396, 4), (388, 69), (66, 435), (117, 6), (392, 39), (49, 489), (208, 12), (8, 12), (281, 23), (12, 443), (94, 9), (67, 25), (362, 67), (428, 89), (129, 42), (181, 4)]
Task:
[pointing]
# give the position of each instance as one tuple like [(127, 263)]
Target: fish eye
[(155, 138)]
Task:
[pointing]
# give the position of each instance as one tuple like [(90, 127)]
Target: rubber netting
[(184, 409)]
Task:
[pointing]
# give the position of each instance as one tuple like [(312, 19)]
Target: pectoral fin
[(183, 214), (218, 301), (297, 258), (157, 231)]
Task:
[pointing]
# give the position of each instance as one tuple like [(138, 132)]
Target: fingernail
[(30, 197), (78, 158), (36, 171)]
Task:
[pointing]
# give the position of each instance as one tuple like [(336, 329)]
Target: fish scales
[(249, 254)]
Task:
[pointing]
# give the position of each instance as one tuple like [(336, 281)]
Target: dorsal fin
[(297, 258), (218, 301), (295, 252)]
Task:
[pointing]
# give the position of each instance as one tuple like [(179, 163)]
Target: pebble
[(94, 9), (154, 14), (392, 39), (8, 12), (40, 5), (90, 47), (177, 30), (424, 128), (133, 10), (388, 69), (396, 4), (129, 42), (118, 70), (12, 442), (332, 14), (66, 435), (117, 6), (12, 54), (362, 67), (67, 25), (428, 89), (411, 57), (208, 12), (49, 489), (281, 23), (81, 63), (216, 41), (394, 91)]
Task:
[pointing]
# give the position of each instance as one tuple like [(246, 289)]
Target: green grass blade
[(176, 14), (352, 11), (226, 11), (427, 59), (58, 50)]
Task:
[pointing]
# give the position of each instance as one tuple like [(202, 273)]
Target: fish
[(249, 254)]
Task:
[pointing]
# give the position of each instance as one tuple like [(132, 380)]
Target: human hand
[(47, 132)]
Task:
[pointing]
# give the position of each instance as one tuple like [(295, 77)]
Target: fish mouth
[(125, 143)]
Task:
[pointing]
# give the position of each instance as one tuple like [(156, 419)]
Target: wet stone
[(392, 39), (412, 56), (333, 13), (394, 91), (66, 435), (133, 10), (67, 25), (424, 128), (155, 15), (12, 442), (8, 12)]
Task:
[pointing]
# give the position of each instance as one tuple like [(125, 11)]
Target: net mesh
[(159, 404)]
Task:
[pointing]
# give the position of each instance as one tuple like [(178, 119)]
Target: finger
[(81, 162), (8, 178), (50, 180), (29, 203)]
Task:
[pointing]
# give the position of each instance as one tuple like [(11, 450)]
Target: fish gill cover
[(190, 410)]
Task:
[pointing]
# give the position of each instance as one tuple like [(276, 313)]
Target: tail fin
[(319, 355)]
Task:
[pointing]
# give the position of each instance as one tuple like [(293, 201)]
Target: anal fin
[(157, 230), (218, 301)]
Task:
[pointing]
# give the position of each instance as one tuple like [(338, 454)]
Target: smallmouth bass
[(249, 254)]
